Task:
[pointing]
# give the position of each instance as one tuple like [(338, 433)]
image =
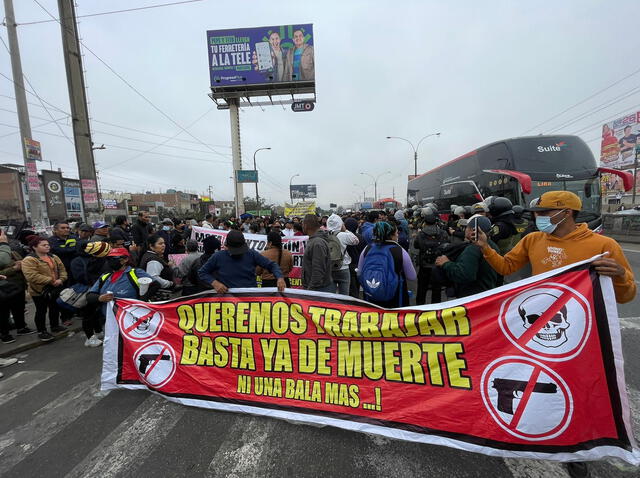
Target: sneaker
[(57, 329), (7, 362), (94, 341), (45, 336), (25, 331), (7, 339), (100, 335)]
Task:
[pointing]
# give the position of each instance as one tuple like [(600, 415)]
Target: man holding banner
[(561, 241), (235, 267)]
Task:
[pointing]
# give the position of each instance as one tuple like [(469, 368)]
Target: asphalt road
[(56, 422)]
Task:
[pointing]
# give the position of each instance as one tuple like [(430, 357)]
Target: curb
[(37, 343)]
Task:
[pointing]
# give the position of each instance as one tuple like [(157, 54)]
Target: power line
[(582, 101), (37, 95), (134, 89), (114, 11), (597, 108)]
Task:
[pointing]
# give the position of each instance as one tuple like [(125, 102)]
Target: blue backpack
[(378, 277)]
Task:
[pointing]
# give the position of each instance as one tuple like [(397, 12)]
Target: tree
[(250, 204)]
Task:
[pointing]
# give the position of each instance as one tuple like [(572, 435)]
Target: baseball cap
[(98, 249), (481, 222), (235, 243), (118, 252), (557, 200), (100, 225), (86, 227)]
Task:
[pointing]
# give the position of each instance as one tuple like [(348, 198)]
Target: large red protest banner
[(533, 369)]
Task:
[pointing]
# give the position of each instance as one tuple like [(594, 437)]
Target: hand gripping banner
[(533, 369)]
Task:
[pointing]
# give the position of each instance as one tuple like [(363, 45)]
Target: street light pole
[(415, 148), (255, 168), (375, 183), (290, 192)]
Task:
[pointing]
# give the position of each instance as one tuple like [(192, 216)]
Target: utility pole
[(236, 152), (79, 111), (31, 167)]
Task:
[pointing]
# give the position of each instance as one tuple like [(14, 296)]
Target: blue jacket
[(367, 232), (122, 288), (236, 271)]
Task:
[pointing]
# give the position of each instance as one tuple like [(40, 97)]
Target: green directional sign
[(247, 176)]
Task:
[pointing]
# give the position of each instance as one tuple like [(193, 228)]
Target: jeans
[(15, 305), (327, 288), (42, 304), (342, 279)]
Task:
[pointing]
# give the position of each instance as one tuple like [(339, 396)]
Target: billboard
[(261, 56), (33, 149), (54, 196), (619, 142), (303, 191), (72, 197)]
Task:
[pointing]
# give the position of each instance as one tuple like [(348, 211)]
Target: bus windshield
[(588, 190)]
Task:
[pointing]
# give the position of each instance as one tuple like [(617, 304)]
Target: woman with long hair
[(274, 252), (385, 282), (45, 274), (154, 264)]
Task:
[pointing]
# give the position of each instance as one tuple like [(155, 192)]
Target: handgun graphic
[(146, 359), (507, 389)]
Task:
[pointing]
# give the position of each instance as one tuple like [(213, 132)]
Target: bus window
[(462, 193), (499, 185)]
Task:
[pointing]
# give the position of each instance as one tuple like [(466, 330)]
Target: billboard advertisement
[(54, 196), (303, 191), (619, 141), (259, 56), (33, 149), (72, 198)]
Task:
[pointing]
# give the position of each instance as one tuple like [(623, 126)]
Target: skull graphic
[(143, 325), (554, 332)]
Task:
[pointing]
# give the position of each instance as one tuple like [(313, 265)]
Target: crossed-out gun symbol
[(146, 359), (507, 389)]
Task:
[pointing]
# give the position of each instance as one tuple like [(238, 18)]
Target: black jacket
[(140, 232), (119, 233)]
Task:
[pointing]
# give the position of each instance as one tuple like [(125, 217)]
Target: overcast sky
[(476, 71)]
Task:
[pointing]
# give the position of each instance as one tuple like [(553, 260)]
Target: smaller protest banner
[(299, 209), (258, 242)]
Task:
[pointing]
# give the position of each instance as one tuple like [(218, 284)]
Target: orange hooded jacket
[(546, 252)]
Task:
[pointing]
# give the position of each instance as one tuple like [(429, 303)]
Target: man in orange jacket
[(560, 242)]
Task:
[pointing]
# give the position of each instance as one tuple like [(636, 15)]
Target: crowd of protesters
[(370, 255)]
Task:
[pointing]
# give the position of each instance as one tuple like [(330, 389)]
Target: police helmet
[(459, 210), (500, 205), (517, 211), (453, 208), (429, 215), (480, 207)]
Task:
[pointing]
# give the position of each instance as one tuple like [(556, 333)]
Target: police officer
[(427, 242), (520, 222), (503, 232)]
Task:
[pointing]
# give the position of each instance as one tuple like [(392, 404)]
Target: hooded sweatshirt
[(346, 238), (546, 252)]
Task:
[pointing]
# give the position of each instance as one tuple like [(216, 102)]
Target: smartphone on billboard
[(263, 53)]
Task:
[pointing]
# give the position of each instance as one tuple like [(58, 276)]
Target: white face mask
[(543, 223)]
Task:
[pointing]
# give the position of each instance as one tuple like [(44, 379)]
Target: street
[(56, 422)]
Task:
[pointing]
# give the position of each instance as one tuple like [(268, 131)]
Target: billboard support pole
[(35, 202), (635, 179), (236, 152)]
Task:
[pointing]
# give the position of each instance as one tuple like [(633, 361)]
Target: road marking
[(22, 382), (131, 442), (630, 323), (232, 461), (18, 443)]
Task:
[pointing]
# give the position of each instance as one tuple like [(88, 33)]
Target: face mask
[(166, 228), (543, 223), (114, 263)]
